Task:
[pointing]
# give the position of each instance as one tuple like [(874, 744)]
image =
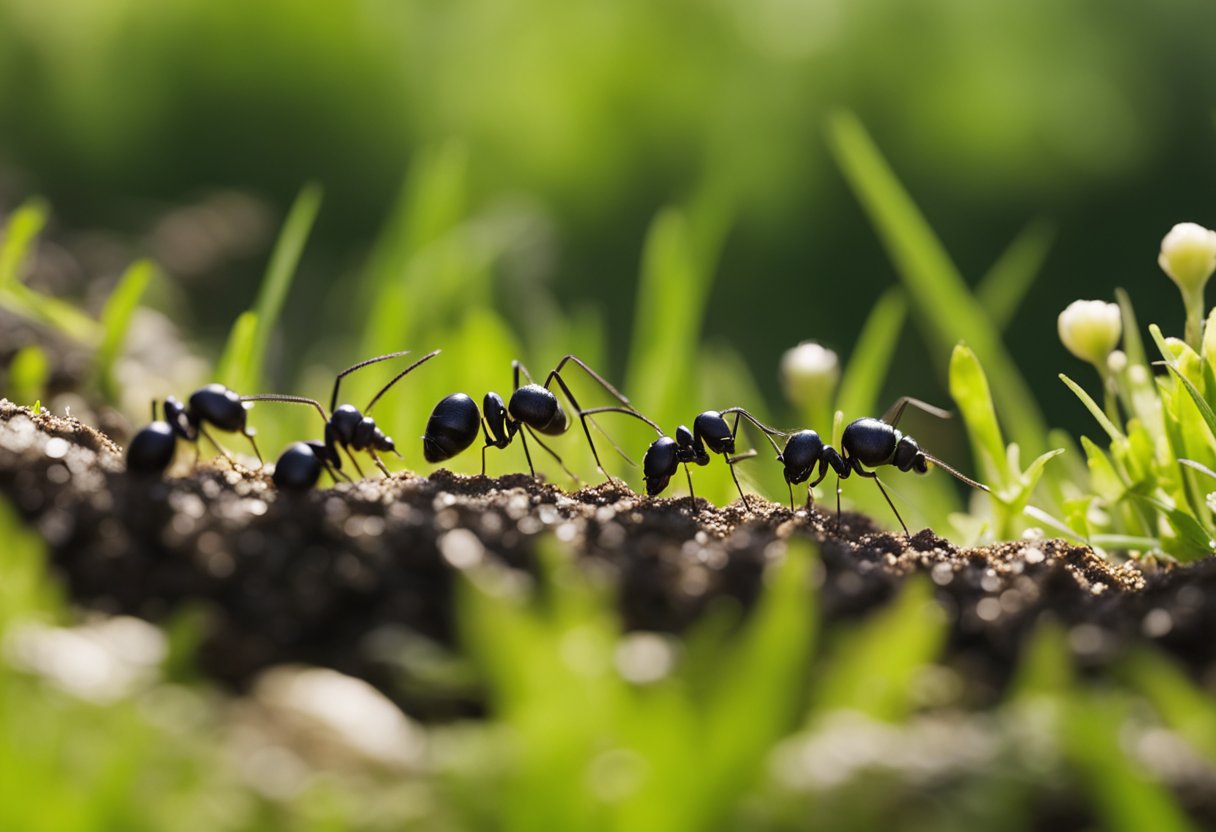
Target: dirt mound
[(331, 576)]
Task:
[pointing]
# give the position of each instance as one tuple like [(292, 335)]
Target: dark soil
[(332, 576)]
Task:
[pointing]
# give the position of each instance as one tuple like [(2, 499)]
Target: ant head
[(712, 428), (382, 442), (659, 464), (538, 408), (908, 456), (802, 453)]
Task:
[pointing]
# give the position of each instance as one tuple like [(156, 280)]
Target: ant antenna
[(626, 410), (893, 414), (768, 432), (956, 474), (276, 397), (395, 378), (333, 402), (154, 410)]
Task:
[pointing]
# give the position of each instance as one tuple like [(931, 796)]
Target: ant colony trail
[(307, 574), (534, 409)]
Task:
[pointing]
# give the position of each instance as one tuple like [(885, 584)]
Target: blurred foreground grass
[(766, 722)]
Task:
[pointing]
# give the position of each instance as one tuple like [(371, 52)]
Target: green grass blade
[(872, 669), (232, 369), (970, 391), (672, 295), (1125, 799), (1201, 404), (1002, 290), (28, 373), (1107, 425), (948, 311), (1133, 344), (871, 358), (277, 281), (24, 226), (116, 320)]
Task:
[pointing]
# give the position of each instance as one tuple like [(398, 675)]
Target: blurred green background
[(572, 125)]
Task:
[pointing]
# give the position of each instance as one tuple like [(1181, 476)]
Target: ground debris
[(325, 577)]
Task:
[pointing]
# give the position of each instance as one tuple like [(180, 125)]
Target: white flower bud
[(1091, 329), (1116, 362), (809, 373), (1188, 255)]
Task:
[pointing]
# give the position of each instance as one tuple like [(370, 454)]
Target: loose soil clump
[(332, 576)]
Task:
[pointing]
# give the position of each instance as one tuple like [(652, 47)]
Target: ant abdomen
[(453, 426), (803, 451), (538, 408), (220, 406), (660, 461), (713, 430), (299, 467), (872, 442), (151, 450)]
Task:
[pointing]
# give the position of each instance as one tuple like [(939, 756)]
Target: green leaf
[(277, 281), (1003, 288), (948, 312), (672, 295), (233, 367), (1103, 420), (1124, 797), (872, 668), (24, 226), (871, 358), (969, 389), (1205, 409), (28, 373), (116, 319)]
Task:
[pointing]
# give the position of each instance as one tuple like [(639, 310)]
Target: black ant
[(533, 408), (709, 434), (151, 450), (300, 466), (866, 441)]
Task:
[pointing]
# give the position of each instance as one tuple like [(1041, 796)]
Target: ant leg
[(516, 368), (628, 411), (203, 432), (379, 463), (256, 452), (896, 410), (582, 417), (791, 487), (351, 456), (528, 455), (334, 472), (600, 380), (746, 505), (553, 454), (394, 379), (692, 497), (870, 475)]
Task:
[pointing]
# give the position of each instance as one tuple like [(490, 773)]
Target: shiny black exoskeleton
[(346, 428), (865, 442), (300, 466), (152, 449), (710, 434), (804, 451), (532, 409), (452, 428)]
